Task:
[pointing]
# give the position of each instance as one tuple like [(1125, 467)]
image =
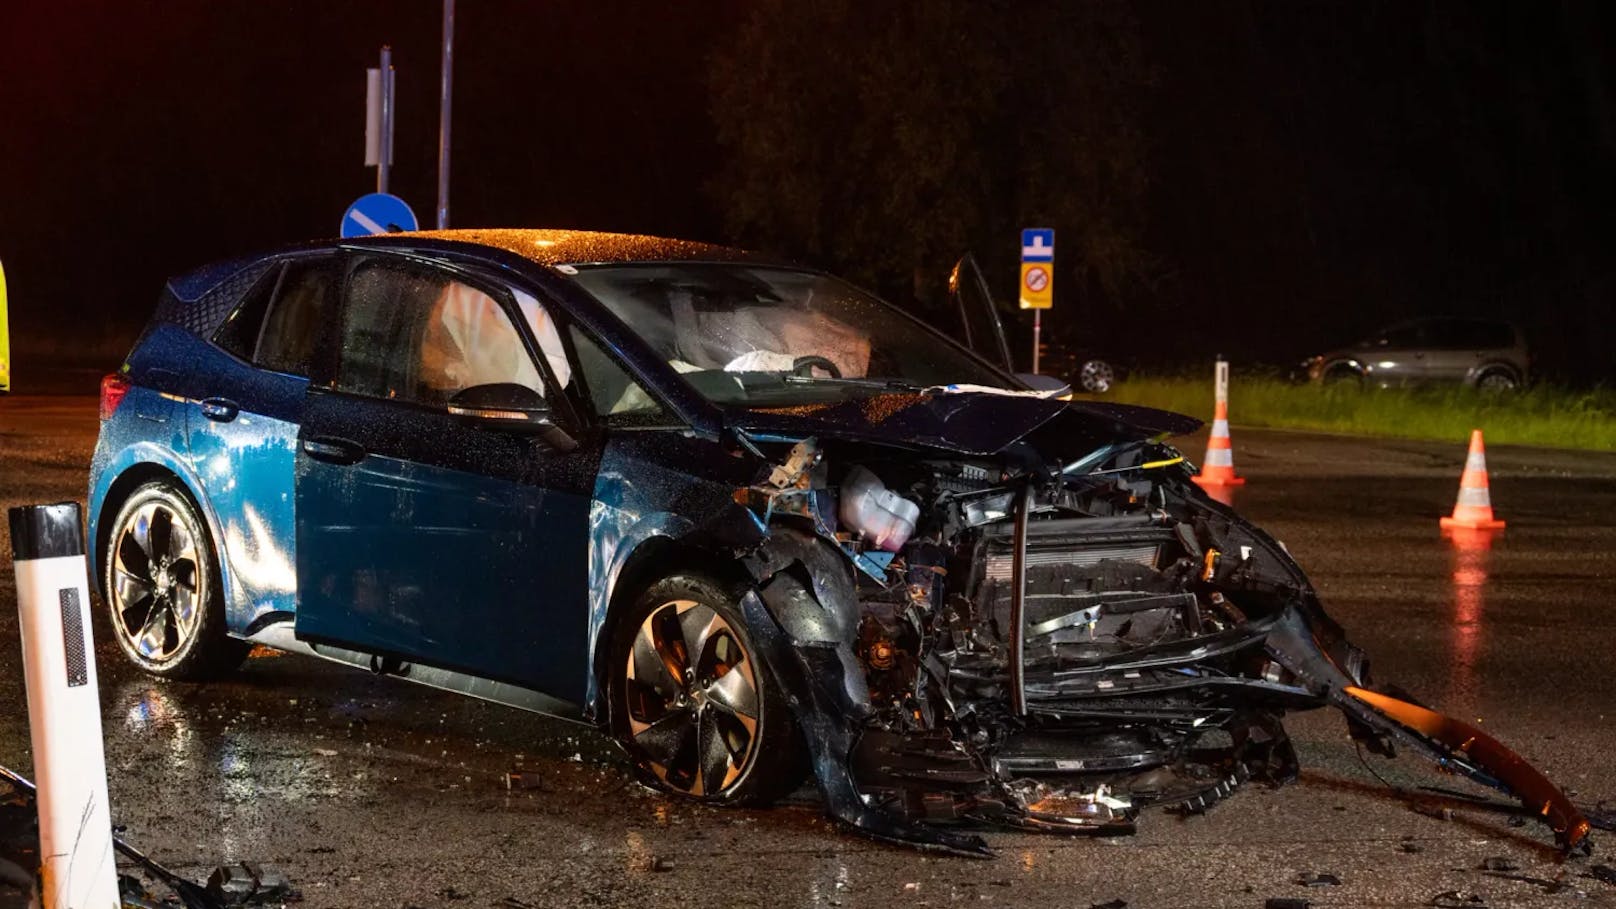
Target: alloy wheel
[(1096, 376), (157, 583), (692, 699)]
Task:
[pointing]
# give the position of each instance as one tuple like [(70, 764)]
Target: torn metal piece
[(812, 676)]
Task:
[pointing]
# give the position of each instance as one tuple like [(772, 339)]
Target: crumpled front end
[(1019, 641)]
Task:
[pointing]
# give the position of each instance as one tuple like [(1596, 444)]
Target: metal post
[(1037, 333), (443, 113), (1018, 603), (385, 158), (64, 708)]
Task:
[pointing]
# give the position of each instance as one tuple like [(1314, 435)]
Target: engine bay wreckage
[(1008, 611)]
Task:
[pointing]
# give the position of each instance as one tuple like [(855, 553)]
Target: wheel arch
[(136, 474), (656, 557), (1492, 366), (1342, 364)]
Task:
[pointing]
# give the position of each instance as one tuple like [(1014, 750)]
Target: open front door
[(984, 334)]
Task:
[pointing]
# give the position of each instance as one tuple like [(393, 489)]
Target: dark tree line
[(889, 138), (1259, 178)]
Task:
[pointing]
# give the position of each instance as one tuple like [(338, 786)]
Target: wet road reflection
[(1467, 632), (369, 791)]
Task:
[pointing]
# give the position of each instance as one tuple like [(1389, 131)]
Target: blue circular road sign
[(377, 213)]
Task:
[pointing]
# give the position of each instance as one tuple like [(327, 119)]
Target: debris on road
[(1313, 879), (1458, 899), (1498, 863), (1286, 902), (246, 884), (1603, 873)]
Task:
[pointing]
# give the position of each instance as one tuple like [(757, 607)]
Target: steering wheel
[(803, 366)]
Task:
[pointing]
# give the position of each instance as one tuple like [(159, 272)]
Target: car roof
[(574, 247)]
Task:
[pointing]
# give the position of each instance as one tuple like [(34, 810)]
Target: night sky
[(1314, 169)]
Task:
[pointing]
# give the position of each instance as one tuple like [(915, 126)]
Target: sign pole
[(445, 92), (1037, 332), (384, 158)]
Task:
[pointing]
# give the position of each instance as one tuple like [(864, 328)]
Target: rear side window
[(239, 333), (302, 306), (277, 325)]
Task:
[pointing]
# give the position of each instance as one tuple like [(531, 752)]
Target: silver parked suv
[(1478, 352)]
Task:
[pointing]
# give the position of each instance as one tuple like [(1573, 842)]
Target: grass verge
[(1543, 415)]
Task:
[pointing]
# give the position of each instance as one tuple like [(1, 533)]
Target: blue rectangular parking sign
[(1038, 244)]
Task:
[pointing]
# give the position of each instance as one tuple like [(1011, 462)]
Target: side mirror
[(510, 407)]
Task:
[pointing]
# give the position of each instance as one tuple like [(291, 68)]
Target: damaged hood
[(967, 423)]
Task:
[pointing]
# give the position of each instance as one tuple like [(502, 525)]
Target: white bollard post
[(64, 709)]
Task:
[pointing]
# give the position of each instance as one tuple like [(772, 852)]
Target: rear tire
[(1096, 377), (163, 593), (1497, 380), (713, 726)]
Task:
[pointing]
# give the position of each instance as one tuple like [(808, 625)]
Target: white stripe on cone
[(1219, 457), (1475, 497)]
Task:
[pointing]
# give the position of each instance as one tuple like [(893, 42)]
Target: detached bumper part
[(1461, 747)]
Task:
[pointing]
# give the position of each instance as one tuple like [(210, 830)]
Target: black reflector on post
[(46, 531)]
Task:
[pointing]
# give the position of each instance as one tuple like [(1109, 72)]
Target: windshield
[(761, 336)]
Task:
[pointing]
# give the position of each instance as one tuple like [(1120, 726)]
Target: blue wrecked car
[(745, 517)]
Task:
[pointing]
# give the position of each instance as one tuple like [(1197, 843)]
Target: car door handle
[(333, 450), (220, 410)]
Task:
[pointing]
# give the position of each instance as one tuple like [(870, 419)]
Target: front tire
[(164, 596), (693, 701)]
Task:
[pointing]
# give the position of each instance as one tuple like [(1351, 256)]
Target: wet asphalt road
[(371, 792)]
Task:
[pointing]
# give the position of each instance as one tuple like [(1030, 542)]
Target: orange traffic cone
[(1474, 510), (1218, 468)]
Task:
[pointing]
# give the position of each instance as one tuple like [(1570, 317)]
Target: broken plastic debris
[(1318, 879), (523, 779), (1286, 902), (246, 884)]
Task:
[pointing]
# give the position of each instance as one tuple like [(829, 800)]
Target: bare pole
[(443, 113), (384, 158)]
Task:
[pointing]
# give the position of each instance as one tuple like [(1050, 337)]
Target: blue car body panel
[(246, 463), (421, 549)]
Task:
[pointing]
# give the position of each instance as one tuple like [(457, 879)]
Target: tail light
[(113, 388)]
